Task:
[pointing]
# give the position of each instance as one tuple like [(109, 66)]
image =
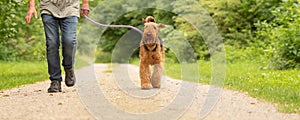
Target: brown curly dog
[(151, 53)]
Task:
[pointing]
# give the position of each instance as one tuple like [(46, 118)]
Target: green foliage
[(236, 18), (280, 38), (19, 41), (234, 54), (14, 74), (187, 31), (263, 29), (102, 57)]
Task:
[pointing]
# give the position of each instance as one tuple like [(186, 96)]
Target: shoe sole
[(70, 85), (56, 91)]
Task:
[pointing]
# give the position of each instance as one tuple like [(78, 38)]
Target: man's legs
[(68, 29), (52, 44)]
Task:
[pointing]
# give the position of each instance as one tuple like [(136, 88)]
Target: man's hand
[(85, 8), (31, 10)]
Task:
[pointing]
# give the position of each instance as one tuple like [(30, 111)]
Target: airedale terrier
[(151, 53)]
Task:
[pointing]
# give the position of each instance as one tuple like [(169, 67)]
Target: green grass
[(274, 86), (107, 71), (13, 74)]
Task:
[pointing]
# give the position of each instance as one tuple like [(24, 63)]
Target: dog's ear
[(161, 25), (143, 19)]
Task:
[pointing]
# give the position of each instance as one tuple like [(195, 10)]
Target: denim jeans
[(67, 27)]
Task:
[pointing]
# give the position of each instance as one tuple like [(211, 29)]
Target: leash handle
[(85, 9)]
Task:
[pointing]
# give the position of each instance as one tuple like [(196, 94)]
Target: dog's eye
[(155, 28)]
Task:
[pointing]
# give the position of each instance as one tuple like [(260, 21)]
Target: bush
[(280, 38), (19, 41), (236, 18)]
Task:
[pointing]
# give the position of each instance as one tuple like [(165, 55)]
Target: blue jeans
[(67, 28)]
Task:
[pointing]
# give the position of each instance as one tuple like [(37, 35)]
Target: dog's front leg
[(157, 75), (145, 75)]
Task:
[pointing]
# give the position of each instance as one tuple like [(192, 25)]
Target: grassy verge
[(282, 87), (275, 86), (13, 74)]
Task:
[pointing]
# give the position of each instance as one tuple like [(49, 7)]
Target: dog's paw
[(156, 86), (146, 86)]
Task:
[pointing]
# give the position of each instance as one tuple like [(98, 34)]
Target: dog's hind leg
[(157, 75)]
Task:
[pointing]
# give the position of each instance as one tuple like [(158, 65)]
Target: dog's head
[(150, 35)]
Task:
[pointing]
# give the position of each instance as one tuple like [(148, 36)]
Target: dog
[(151, 54)]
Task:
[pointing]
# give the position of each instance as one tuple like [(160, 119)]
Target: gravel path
[(32, 102)]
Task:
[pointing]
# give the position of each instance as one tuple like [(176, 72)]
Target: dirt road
[(32, 102)]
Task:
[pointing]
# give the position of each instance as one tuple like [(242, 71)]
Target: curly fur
[(151, 54)]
